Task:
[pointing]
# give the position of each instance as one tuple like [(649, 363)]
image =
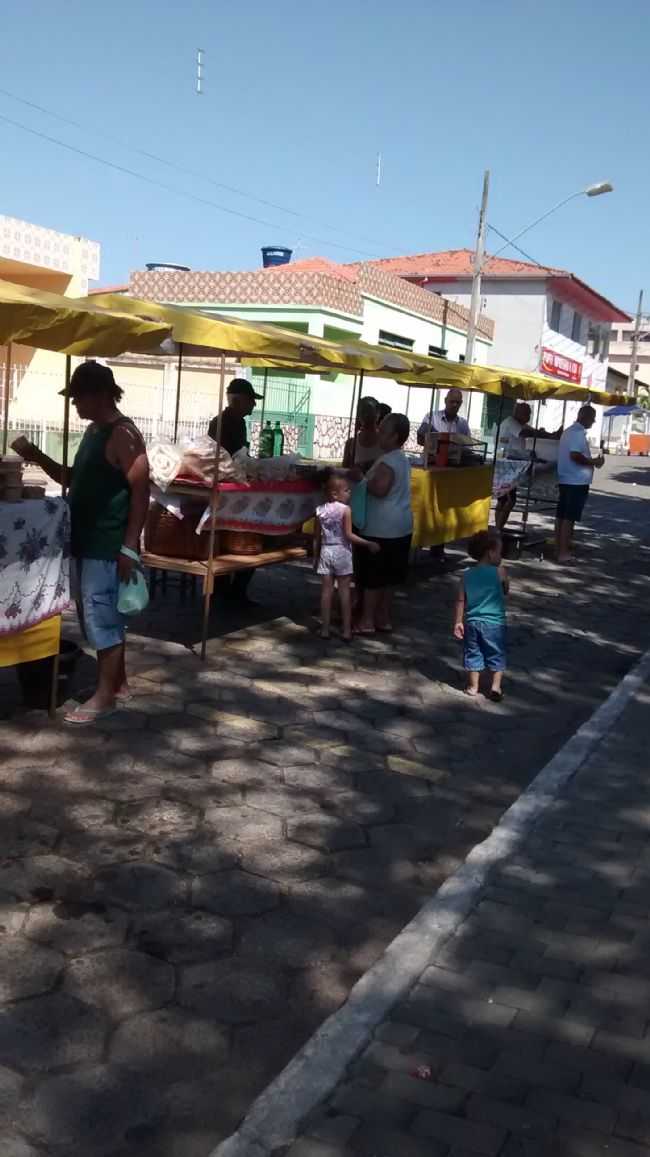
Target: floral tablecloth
[(259, 507), (34, 562), (267, 507), (508, 473)]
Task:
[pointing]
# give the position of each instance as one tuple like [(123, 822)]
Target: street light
[(595, 190)]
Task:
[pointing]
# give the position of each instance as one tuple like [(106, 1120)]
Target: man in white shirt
[(512, 443), (445, 421), (575, 470)]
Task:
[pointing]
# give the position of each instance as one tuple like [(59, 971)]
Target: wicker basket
[(173, 537), (241, 542)]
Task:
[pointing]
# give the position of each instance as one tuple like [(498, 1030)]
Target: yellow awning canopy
[(506, 382), (34, 317), (268, 346), (259, 344)]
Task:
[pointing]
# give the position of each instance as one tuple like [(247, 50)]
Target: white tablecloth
[(34, 562)]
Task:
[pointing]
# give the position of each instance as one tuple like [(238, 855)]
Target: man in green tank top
[(109, 500)]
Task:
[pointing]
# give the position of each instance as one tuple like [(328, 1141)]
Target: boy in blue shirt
[(480, 614)]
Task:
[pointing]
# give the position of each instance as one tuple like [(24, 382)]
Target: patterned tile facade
[(48, 249), (249, 287), (306, 287)]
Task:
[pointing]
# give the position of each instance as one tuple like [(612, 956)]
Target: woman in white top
[(389, 523)]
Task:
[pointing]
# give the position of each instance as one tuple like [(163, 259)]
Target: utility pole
[(631, 377), (479, 256)]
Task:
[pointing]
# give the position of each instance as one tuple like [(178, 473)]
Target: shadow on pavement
[(190, 889)]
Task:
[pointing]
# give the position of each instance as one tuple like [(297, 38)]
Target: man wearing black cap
[(109, 500), (241, 403)]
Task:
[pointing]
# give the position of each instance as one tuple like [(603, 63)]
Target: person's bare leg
[(503, 511), (368, 618), (110, 664), (122, 688), (564, 528), (497, 679), (471, 687), (384, 610), (345, 599), (327, 591)]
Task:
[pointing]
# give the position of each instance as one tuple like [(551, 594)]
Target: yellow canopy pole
[(214, 498), (66, 426), (354, 394), (178, 389), (354, 446), (5, 396), (266, 382), (498, 431)]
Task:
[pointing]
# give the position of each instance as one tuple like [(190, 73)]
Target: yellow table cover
[(449, 504), (37, 642)]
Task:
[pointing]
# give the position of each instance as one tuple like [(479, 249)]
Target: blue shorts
[(485, 646), (99, 586)]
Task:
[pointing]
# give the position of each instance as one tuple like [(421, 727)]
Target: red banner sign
[(559, 366)]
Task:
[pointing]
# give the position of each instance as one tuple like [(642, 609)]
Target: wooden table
[(223, 564)]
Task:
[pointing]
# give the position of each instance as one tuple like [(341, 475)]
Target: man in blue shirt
[(575, 470)]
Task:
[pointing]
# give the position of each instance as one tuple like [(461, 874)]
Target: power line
[(503, 237), (181, 192), (171, 188), (183, 169)]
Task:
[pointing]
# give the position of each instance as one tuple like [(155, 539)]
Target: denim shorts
[(99, 586), (485, 646)]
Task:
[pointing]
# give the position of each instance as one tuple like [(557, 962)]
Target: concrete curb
[(275, 1116)]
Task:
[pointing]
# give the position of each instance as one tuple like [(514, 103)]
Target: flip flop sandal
[(86, 716)]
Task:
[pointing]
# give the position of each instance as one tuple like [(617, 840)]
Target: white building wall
[(518, 311), (416, 402), (521, 311)]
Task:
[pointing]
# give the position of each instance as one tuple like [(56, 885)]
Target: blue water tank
[(275, 255)]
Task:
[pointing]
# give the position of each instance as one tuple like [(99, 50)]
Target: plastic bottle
[(278, 440), (266, 441)]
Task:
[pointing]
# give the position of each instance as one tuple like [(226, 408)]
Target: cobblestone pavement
[(527, 1035), (189, 889)]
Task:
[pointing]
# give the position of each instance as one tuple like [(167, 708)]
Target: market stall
[(449, 503), (35, 532), (204, 336), (34, 579)]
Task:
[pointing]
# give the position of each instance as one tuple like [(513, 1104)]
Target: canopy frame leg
[(5, 399), (66, 428), (354, 446), (264, 387), (208, 587), (177, 407)]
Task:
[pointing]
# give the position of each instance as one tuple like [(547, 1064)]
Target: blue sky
[(299, 97)]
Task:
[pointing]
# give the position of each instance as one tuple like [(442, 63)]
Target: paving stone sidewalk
[(529, 1029), (190, 889)]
